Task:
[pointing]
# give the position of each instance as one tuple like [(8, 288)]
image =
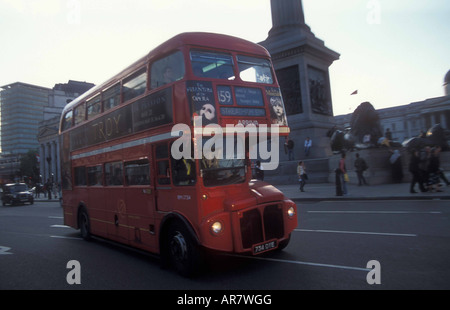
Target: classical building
[(412, 119), (49, 165)]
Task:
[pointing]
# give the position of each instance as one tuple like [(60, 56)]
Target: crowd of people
[(48, 189), (425, 169), (424, 166)]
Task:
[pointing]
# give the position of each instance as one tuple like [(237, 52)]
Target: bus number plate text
[(259, 248)]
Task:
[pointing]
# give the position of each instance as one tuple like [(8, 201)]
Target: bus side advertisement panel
[(148, 112)]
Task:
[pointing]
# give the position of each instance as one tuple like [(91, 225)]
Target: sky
[(393, 52)]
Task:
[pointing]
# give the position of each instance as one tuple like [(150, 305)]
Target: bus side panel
[(70, 212), (96, 210), (183, 200), (115, 214), (141, 221), (81, 199)]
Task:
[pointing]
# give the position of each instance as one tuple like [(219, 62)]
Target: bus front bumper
[(253, 230)]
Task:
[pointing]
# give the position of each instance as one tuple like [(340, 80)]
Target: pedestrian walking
[(388, 134), (38, 190), (415, 172), (289, 143), (433, 172), (48, 186), (360, 167), (308, 145), (343, 174), (338, 182), (424, 158), (396, 166), (440, 172), (302, 176)]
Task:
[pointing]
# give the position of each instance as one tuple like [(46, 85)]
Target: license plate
[(262, 247)]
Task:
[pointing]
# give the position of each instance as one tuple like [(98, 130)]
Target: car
[(16, 193)]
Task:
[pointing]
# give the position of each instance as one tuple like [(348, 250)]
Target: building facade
[(49, 165), (411, 120), (29, 121), (22, 108)]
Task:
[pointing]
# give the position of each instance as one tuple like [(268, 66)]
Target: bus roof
[(200, 39)]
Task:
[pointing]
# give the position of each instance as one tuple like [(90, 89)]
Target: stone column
[(301, 62), (286, 14), (58, 161), (41, 162), (54, 160), (48, 160)]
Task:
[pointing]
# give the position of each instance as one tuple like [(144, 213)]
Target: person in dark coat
[(434, 171), (396, 166), (415, 171), (360, 167)]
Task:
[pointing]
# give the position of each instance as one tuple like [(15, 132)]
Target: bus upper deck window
[(253, 69), (80, 113), (67, 121), (111, 97), (212, 65), (94, 107), (167, 70), (135, 85)]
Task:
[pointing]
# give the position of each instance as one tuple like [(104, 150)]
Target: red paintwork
[(133, 214)]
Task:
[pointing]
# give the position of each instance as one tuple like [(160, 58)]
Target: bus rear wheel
[(183, 252)]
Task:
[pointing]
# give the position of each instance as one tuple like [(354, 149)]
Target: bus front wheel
[(183, 252)]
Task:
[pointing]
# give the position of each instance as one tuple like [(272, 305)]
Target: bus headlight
[(216, 227), (291, 212)]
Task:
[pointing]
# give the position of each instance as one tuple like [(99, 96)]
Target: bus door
[(115, 202), (175, 181), (140, 197), (162, 180)]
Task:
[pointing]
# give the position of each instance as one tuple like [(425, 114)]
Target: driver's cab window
[(183, 170), (162, 164)]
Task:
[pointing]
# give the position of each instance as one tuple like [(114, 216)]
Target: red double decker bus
[(121, 178)]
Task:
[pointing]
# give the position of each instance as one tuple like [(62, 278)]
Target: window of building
[(135, 85), (167, 70)]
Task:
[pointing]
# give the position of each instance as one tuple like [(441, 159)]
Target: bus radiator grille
[(256, 228)]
